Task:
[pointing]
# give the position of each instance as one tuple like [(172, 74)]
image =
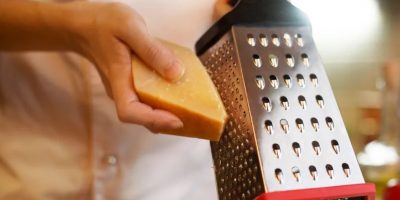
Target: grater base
[(347, 192)]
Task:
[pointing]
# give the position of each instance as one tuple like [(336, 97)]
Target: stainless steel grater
[(285, 137)]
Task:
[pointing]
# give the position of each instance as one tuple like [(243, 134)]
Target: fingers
[(151, 51), (221, 7), (129, 108)]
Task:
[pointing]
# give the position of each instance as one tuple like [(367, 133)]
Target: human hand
[(221, 7), (107, 34)]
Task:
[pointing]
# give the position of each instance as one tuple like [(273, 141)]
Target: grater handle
[(233, 2), (253, 12)]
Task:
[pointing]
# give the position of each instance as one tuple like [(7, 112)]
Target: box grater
[(285, 137)]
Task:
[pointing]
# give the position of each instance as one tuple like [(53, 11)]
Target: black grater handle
[(265, 13), (233, 2)]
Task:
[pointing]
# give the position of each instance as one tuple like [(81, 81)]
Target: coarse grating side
[(302, 140), (285, 131), (236, 160)]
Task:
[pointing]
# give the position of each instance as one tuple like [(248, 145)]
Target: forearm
[(30, 25)]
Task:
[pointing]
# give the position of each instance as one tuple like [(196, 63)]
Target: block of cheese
[(194, 98)]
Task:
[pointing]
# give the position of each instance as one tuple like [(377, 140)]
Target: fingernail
[(176, 72), (176, 124)]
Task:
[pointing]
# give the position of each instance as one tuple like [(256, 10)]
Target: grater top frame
[(265, 13)]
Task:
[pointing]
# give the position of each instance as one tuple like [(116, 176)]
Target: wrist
[(60, 22), (75, 26), (66, 26)]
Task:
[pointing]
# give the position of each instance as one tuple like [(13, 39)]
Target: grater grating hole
[(300, 124), (260, 82), (302, 101), (313, 172), (251, 40), (277, 150), (279, 175), (335, 146), (287, 39), (284, 102), (314, 79), (287, 80), (316, 147), (305, 59), (329, 123), (284, 125), (268, 126), (289, 60), (296, 149), (299, 39), (300, 80), (263, 40), (320, 101), (296, 173), (275, 40), (257, 60), (266, 104), (329, 170), (235, 152), (346, 169), (273, 60), (273, 81), (315, 123)]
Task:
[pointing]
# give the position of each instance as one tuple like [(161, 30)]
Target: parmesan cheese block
[(194, 98)]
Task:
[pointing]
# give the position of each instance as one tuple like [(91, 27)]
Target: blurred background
[(359, 43)]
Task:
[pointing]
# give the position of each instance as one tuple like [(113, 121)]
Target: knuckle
[(122, 114), (153, 53)]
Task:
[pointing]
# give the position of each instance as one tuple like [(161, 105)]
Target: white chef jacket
[(60, 137)]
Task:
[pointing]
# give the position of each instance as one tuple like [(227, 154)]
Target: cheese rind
[(194, 98)]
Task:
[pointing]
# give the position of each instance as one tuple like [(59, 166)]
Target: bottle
[(380, 159)]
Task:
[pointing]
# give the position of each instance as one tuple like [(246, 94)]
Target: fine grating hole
[(346, 169), (305, 60), (302, 101), (284, 125), (335, 146), (260, 82), (266, 104), (313, 172), (284, 102), (287, 39), (251, 40), (263, 40), (273, 81), (299, 40), (300, 80), (277, 150), (300, 124), (287, 80), (315, 123), (290, 60), (275, 40), (320, 101), (296, 173), (257, 60), (296, 149), (329, 123), (235, 153), (279, 175), (268, 126), (273, 60), (316, 147), (314, 79), (329, 170)]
